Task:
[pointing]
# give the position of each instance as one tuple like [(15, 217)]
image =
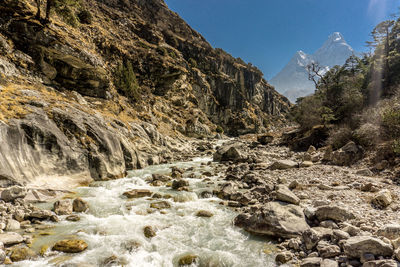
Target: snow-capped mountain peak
[(292, 81)]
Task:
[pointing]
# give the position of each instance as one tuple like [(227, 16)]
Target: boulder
[(381, 263), (12, 225), (12, 193), (149, 232), (228, 153), (329, 263), (70, 246), (187, 259), (160, 205), (284, 194), (79, 205), (138, 193), (311, 262), (306, 164), (21, 254), (11, 238), (283, 257), (283, 165), (63, 207), (390, 231), (356, 246), (347, 155), (332, 212), (177, 184), (326, 250), (275, 219), (2, 256), (41, 214), (382, 199)]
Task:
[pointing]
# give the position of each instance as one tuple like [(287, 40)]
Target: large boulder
[(332, 212), (138, 193), (347, 155), (356, 246), (229, 153), (79, 205), (11, 238), (12, 193), (282, 193), (70, 246), (390, 231), (382, 199), (276, 219), (63, 207)]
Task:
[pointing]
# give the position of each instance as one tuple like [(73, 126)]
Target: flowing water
[(114, 226)]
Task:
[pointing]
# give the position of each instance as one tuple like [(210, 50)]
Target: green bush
[(125, 81), (219, 129), (391, 122), (340, 136), (85, 17), (64, 8)]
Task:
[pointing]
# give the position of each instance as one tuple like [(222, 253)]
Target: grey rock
[(332, 212), (79, 205), (381, 263), (283, 165), (355, 247), (12, 193), (284, 194), (12, 225), (274, 219), (329, 263), (390, 231), (11, 238), (311, 262), (63, 207), (382, 199)]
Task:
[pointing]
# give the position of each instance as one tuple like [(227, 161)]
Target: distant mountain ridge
[(292, 81)]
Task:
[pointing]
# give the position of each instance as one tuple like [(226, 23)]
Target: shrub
[(85, 17), (219, 129), (68, 16), (391, 122), (367, 135), (340, 136), (125, 81)]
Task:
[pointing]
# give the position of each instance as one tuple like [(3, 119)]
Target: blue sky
[(267, 33)]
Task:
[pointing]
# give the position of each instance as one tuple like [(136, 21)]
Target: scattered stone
[(284, 194), (204, 213), (347, 155), (340, 235), (137, 193), (149, 232), (329, 224), (310, 238), (327, 250), (11, 238), (369, 187), (79, 205), (306, 164), (160, 205), (114, 260), (356, 246), (274, 219), (41, 214), (390, 231), (311, 262), (381, 263), (14, 192), (2, 256), (329, 263), (365, 172), (70, 246), (332, 212), (283, 257), (367, 257), (187, 259), (283, 165), (382, 199), (63, 207)]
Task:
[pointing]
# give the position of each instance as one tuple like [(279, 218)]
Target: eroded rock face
[(274, 219)]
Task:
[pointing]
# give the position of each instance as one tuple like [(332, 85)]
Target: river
[(114, 226)]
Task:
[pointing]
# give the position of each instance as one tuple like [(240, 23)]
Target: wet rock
[(137, 193), (12, 193), (332, 212), (161, 178), (382, 199), (187, 259), (356, 246), (177, 184), (283, 257), (11, 238), (70, 246), (149, 232), (227, 189), (63, 207), (160, 205), (282, 193), (311, 262), (114, 260), (265, 139), (21, 253), (79, 205), (274, 219), (283, 165), (206, 194), (390, 231), (204, 213), (73, 218)]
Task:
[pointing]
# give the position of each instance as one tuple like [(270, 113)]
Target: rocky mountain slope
[(65, 108), (292, 81)]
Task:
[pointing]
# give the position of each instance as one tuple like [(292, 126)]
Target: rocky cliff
[(108, 86)]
